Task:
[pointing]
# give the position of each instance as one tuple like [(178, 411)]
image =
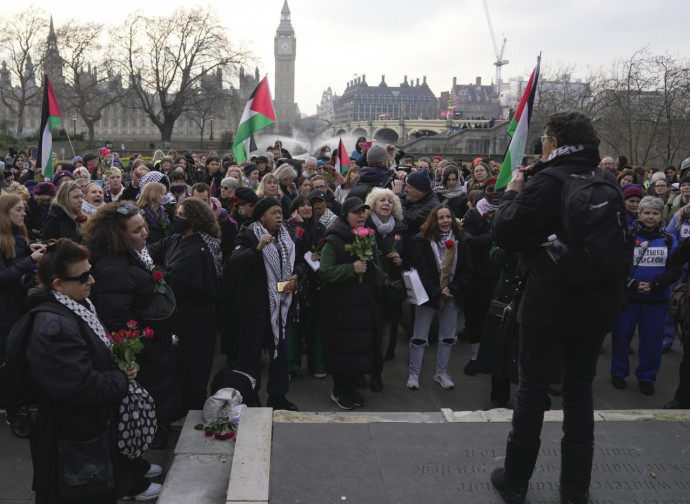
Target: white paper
[(315, 265)]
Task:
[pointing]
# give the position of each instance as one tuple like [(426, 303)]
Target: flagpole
[(74, 154)]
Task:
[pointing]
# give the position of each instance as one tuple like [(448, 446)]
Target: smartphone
[(34, 152), (282, 285), (367, 146)]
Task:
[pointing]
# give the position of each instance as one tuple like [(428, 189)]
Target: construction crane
[(499, 54)]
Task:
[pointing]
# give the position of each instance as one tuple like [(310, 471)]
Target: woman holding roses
[(309, 236), (392, 241), (127, 288), (443, 259), (349, 311)]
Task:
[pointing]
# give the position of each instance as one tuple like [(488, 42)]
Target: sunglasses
[(128, 210), (82, 279)]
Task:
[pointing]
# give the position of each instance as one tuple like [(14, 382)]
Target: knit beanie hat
[(60, 175), (250, 168), (420, 180), (376, 154), (262, 207), (632, 191), (684, 180), (45, 189), (244, 195)]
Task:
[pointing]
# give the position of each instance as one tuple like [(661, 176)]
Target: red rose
[(449, 243), (485, 215), (132, 324), (157, 276), (80, 219), (148, 333), (208, 433), (320, 240), (299, 232), (637, 243)]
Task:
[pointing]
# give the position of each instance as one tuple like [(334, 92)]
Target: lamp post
[(211, 120), (74, 125)]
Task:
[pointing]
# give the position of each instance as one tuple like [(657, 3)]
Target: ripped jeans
[(447, 328)]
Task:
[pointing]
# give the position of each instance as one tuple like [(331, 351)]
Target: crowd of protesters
[(261, 253)]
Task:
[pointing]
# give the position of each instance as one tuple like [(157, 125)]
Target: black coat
[(36, 215), (124, 287), (384, 244), (157, 229), (349, 312), (80, 389), (523, 221), (60, 225), (424, 261), (248, 271), (416, 212), (12, 290), (480, 241)]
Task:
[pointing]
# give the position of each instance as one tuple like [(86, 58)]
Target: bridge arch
[(386, 136), (358, 132), (341, 132)]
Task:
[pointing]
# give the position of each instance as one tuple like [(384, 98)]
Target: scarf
[(160, 177), (484, 207), (384, 228), (439, 248), (279, 260), (159, 215), (88, 315), (88, 208), (145, 258), (565, 150), (251, 184), (213, 245)]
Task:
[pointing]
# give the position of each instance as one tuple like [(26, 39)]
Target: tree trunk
[(92, 135), (20, 125), (166, 130)]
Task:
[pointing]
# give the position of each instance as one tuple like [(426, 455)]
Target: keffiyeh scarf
[(439, 248), (565, 150), (88, 315), (484, 207), (213, 245), (279, 261)]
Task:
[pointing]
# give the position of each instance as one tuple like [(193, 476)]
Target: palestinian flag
[(258, 114), (518, 131), (50, 118), (342, 160)]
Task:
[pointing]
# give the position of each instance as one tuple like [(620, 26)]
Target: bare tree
[(204, 104), (165, 65), (88, 90), (22, 43)]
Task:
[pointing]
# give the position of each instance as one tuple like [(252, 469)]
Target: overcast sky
[(440, 38)]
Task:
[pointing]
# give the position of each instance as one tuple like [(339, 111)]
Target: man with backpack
[(568, 223)]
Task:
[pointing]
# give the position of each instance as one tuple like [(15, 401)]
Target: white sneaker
[(413, 381), (151, 493), (444, 380), (154, 471)]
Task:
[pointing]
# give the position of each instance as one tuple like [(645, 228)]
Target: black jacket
[(370, 177), (157, 229), (480, 241), (124, 287), (416, 212), (60, 225), (80, 389), (424, 261), (12, 288), (523, 221), (247, 268)]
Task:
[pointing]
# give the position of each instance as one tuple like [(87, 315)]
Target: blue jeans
[(447, 327), (649, 320)]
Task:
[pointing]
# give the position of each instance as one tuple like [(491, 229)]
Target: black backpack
[(17, 385), (596, 231)]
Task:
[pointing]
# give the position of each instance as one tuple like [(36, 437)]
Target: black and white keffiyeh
[(565, 150), (484, 207), (213, 245), (88, 315), (279, 261), (439, 248), (145, 258)]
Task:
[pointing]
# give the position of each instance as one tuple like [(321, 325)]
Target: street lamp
[(210, 118), (74, 125)]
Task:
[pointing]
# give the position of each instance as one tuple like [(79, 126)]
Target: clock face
[(285, 45)]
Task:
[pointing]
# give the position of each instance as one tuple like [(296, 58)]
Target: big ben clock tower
[(285, 48)]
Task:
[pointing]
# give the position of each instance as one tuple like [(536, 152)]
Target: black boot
[(576, 472), (18, 419), (512, 481)]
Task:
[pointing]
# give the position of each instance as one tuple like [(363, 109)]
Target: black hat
[(262, 207), (352, 204), (246, 195), (250, 168), (89, 156), (261, 159), (317, 193)]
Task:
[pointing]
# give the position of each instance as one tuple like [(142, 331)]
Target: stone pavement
[(430, 404)]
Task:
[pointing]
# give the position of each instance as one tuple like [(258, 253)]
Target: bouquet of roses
[(127, 344), (221, 430), (361, 247)]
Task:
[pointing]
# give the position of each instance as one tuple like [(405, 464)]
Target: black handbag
[(161, 307), (85, 467)]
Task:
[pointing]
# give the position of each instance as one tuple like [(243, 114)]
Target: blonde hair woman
[(65, 216), (151, 203)]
